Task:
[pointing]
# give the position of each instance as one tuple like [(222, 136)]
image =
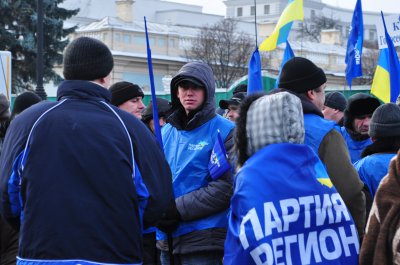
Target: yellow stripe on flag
[(293, 11), (381, 84)]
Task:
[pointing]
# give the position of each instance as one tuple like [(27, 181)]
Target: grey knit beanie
[(87, 59), (385, 121), (335, 100)]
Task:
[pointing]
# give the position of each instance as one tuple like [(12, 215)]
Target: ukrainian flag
[(293, 11), (386, 83)]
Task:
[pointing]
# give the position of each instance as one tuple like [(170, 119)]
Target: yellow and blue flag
[(287, 55), (292, 12), (218, 164), (354, 45), (386, 83)]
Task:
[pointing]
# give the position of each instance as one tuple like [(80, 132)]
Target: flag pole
[(255, 21), (157, 129)]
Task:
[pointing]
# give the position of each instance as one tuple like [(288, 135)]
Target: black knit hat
[(24, 101), (124, 91), (300, 75), (4, 107), (163, 107), (385, 121), (87, 59), (335, 100)]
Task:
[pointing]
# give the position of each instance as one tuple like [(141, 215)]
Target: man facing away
[(334, 106), (78, 174), (303, 78), (189, 137)]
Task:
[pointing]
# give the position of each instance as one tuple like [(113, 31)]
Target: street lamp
[(39, 56)]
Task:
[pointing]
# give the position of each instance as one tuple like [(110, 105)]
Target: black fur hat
[(359, 105)]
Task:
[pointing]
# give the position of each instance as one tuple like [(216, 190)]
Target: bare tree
[(224, 49), (312, 28)]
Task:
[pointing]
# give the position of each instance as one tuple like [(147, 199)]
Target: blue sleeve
[(142, 193)]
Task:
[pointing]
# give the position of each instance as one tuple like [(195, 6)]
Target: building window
[(312, 15), (239, 11), (127, 38), (117, 37), (252, 10), (160, 42), (347, 31), (172, 43), (371, 34), (266, 9)]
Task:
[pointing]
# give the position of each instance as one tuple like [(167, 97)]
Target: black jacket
[(79, 196)]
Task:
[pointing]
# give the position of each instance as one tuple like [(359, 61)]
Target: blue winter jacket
[(285, 210), (355, 147), (73, 189), (372, 169)]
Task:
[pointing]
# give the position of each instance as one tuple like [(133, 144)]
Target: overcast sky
[(217, 6)]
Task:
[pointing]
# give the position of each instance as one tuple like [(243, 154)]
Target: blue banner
[(287, 55), (354, 45), (254, 83), (285, 210)]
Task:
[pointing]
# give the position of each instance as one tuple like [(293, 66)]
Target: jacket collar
[(80, 89)]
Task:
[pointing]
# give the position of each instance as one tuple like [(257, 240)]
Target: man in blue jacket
[(357, 117), (77, 175), (303, 78), (189, 137)]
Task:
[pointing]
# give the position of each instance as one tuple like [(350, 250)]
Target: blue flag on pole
[(218, 164), (354, 45), (254, 83), (157, 129), (287, 55)]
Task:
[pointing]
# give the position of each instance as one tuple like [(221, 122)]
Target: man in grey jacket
[(189, 137)]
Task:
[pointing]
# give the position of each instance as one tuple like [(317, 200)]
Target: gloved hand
[(170, 219)]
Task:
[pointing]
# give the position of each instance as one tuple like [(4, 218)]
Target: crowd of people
[(313, 178)]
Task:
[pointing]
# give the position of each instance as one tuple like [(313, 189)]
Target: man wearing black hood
[(189, 137), (303, 78), (357, 117)]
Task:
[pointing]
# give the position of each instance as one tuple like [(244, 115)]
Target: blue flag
[(254, 83), (287, 55), (354, 45), (157, 129), (218, 164)]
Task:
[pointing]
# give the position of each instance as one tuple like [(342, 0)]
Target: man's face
[(161, 120), (134, 106), (361, 124), (319, 100), (190, 95), (233, 113)]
